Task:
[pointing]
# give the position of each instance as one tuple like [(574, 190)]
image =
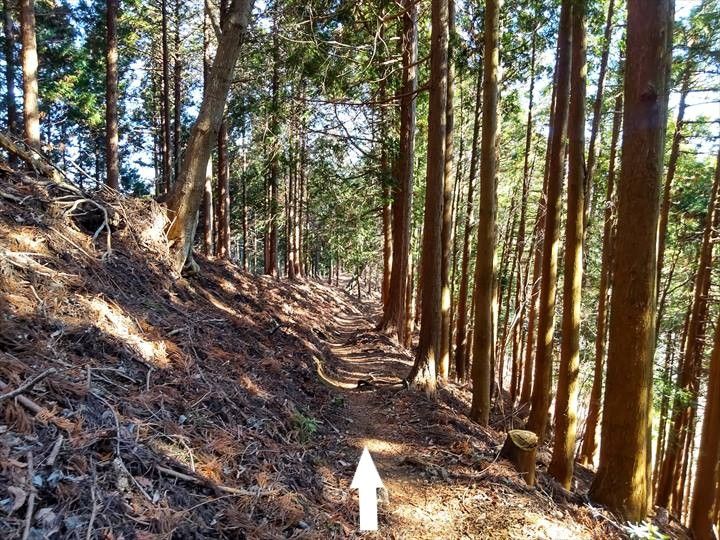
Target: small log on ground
[(520, 448)]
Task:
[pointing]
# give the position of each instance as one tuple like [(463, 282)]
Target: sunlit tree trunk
[(483, 332), (423, 372), (537, 422), (446, 298), (622, 481), (186, 197), (561, 464), (589, 444), (29, 57), (111, 97)]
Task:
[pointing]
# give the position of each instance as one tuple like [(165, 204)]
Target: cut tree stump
[(520, 448)]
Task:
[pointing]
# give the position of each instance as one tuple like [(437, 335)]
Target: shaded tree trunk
[(185, 199), (112, 157), (462, 311), (589, 445), (28, 55), (692, 355), (396, 312), (424, 369), (483, 331), (271, 237), (10, 71), (166, 140), (622, 481), (177, 89), (561, 464), (706, 475), (540, 401)]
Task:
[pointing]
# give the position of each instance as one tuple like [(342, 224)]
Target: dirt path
[(441, 471)]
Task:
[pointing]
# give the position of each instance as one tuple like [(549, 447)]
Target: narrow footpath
[(441, 471)]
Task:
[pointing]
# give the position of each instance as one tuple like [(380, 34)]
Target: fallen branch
[(31, 499), (25, 386), (219, 487)]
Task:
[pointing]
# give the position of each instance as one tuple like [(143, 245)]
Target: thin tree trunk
[(537, 422), (589, 445), (10, 72), (664, 405), (396, 312), (597, 112), (177, 89), (705, 493), (166, 140), (271, 238), (424, 369), (483, 331), (462, 311), (521, 285), (622, 481), (447, 224), (223, 194), (112, 157), (692, 353), (561, 464), (185, 199), (29, 57)]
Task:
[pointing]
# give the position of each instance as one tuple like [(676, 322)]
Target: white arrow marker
[(366, 481)]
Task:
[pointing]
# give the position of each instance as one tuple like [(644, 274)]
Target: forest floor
[(222, 405)]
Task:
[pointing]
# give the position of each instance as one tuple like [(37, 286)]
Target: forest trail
[(441, 471)]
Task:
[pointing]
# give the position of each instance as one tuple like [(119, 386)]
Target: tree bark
[(223, 194), (561, 464), (111, 97), (589, 444), (537, 422), (483, 331), (28, 55), (177, 90), (424, 369), (271, 237), (447, 221), (396, 313), (462, 310), (622, 480), (706, 475), (10, 71), (692, 354), (166, 139), (597, 112), (185, 199)]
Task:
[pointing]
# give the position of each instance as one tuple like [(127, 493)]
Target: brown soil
[(223, 405)]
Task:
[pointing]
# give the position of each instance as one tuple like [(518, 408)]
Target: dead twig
[(31, 498), (26, 385)]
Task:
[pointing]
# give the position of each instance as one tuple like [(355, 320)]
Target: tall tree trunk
[(589, 445), (223, 194), (273, 196), (664, 405), (447, 222), (561, 465), (166, 140), (667, 190), (112, 157), (622, 480), (462, 310), (424, 369), (483, 332), (521, 284), (28, 55), (395, 313), (538, 419), (597, 112), (692, 353), (185, 199), (706, 475), (10, 70), (177, 89)]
